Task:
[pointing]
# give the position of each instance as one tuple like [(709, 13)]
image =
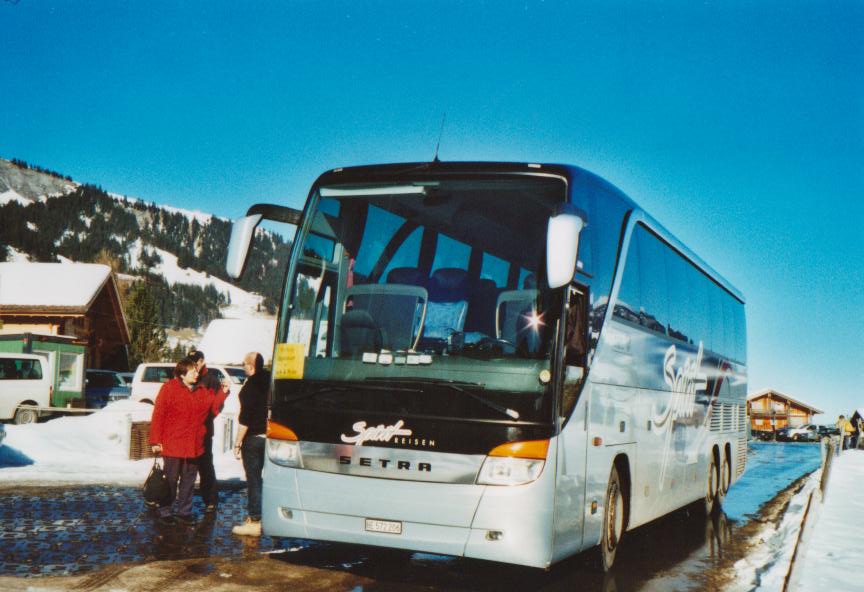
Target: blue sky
[(739, 125)]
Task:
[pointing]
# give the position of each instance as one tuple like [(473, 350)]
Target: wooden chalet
[(73, 299), (770, 410)]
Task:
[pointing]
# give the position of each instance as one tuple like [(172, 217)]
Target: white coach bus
[(502, 361)]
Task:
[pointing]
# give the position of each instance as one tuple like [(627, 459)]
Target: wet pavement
[(48, 531), (54, 531)]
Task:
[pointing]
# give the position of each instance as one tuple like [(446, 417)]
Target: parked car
[(782, 434), (804, 433), (102, 387), (149, 378), (24, 380), (126, 377), (763, 435)]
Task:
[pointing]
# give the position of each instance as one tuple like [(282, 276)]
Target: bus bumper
[(507, 524)]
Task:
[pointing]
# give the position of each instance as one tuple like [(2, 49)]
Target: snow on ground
[(91, 449), (834, 552)]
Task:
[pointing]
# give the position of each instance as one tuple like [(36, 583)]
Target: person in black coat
[(206, 471), (251, 438)]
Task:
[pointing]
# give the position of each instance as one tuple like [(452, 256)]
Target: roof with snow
[(227, 341), (51, 286), (768, 391)]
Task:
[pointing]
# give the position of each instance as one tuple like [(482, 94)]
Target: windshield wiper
[(456, 385), (344, 386)]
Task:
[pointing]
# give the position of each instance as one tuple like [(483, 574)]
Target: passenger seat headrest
[(406, 275), (448, 284)]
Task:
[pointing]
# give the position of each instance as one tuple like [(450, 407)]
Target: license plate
[(388, 526)]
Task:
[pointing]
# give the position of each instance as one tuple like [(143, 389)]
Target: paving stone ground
[(65, 531)]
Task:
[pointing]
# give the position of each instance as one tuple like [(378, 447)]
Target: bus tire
[(613, 522), (712, 489), (25, 416), (725, 476)]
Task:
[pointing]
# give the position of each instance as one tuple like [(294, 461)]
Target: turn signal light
[(536, 449), (276, 431)]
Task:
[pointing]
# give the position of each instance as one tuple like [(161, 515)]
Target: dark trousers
[(253, 463), (184, 471), (206, 472)]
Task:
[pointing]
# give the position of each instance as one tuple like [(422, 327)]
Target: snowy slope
[(243, 304)]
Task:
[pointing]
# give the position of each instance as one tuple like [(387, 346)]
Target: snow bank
[(767, 565), (834, 555), (227, 341), (93, 449)]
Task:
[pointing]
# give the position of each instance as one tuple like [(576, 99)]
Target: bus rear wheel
[(712, 487), (613, 522), (725, 476)]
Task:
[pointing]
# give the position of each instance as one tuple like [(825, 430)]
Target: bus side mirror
[(238, 248), (244, 229), (562, 244)]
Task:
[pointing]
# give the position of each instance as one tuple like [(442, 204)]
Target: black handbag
[(157, 492)]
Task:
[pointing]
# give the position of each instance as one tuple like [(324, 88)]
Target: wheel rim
[(614, 517)]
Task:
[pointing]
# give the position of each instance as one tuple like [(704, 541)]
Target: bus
[(501, 361)]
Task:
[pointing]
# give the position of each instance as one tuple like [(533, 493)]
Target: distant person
[(843, 432), (206, 471), (251, 438), (848, 430), (855, 435), (859, 431), (177, 433)]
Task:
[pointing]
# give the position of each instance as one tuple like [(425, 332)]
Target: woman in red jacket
[(177, 433)]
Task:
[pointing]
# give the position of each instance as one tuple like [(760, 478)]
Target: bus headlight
[(509, 471), (514, 463), (284, 453)]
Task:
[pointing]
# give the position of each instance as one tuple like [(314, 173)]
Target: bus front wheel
[(613, 522)]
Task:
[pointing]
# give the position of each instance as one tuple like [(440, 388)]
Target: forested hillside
[(87, 224)]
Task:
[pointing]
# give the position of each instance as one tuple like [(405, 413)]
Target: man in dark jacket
[(251, 438), (206, 472)]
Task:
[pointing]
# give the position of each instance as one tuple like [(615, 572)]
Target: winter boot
[(248, 528)]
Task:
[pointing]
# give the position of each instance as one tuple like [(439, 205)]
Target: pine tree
[(148, 338)]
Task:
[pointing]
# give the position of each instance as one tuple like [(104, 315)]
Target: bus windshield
[(429, 297)]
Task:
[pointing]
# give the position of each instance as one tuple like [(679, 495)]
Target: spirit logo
[(683, 381), (379, 433)]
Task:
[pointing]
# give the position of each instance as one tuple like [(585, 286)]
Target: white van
[(24, 380), (149, 378)]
